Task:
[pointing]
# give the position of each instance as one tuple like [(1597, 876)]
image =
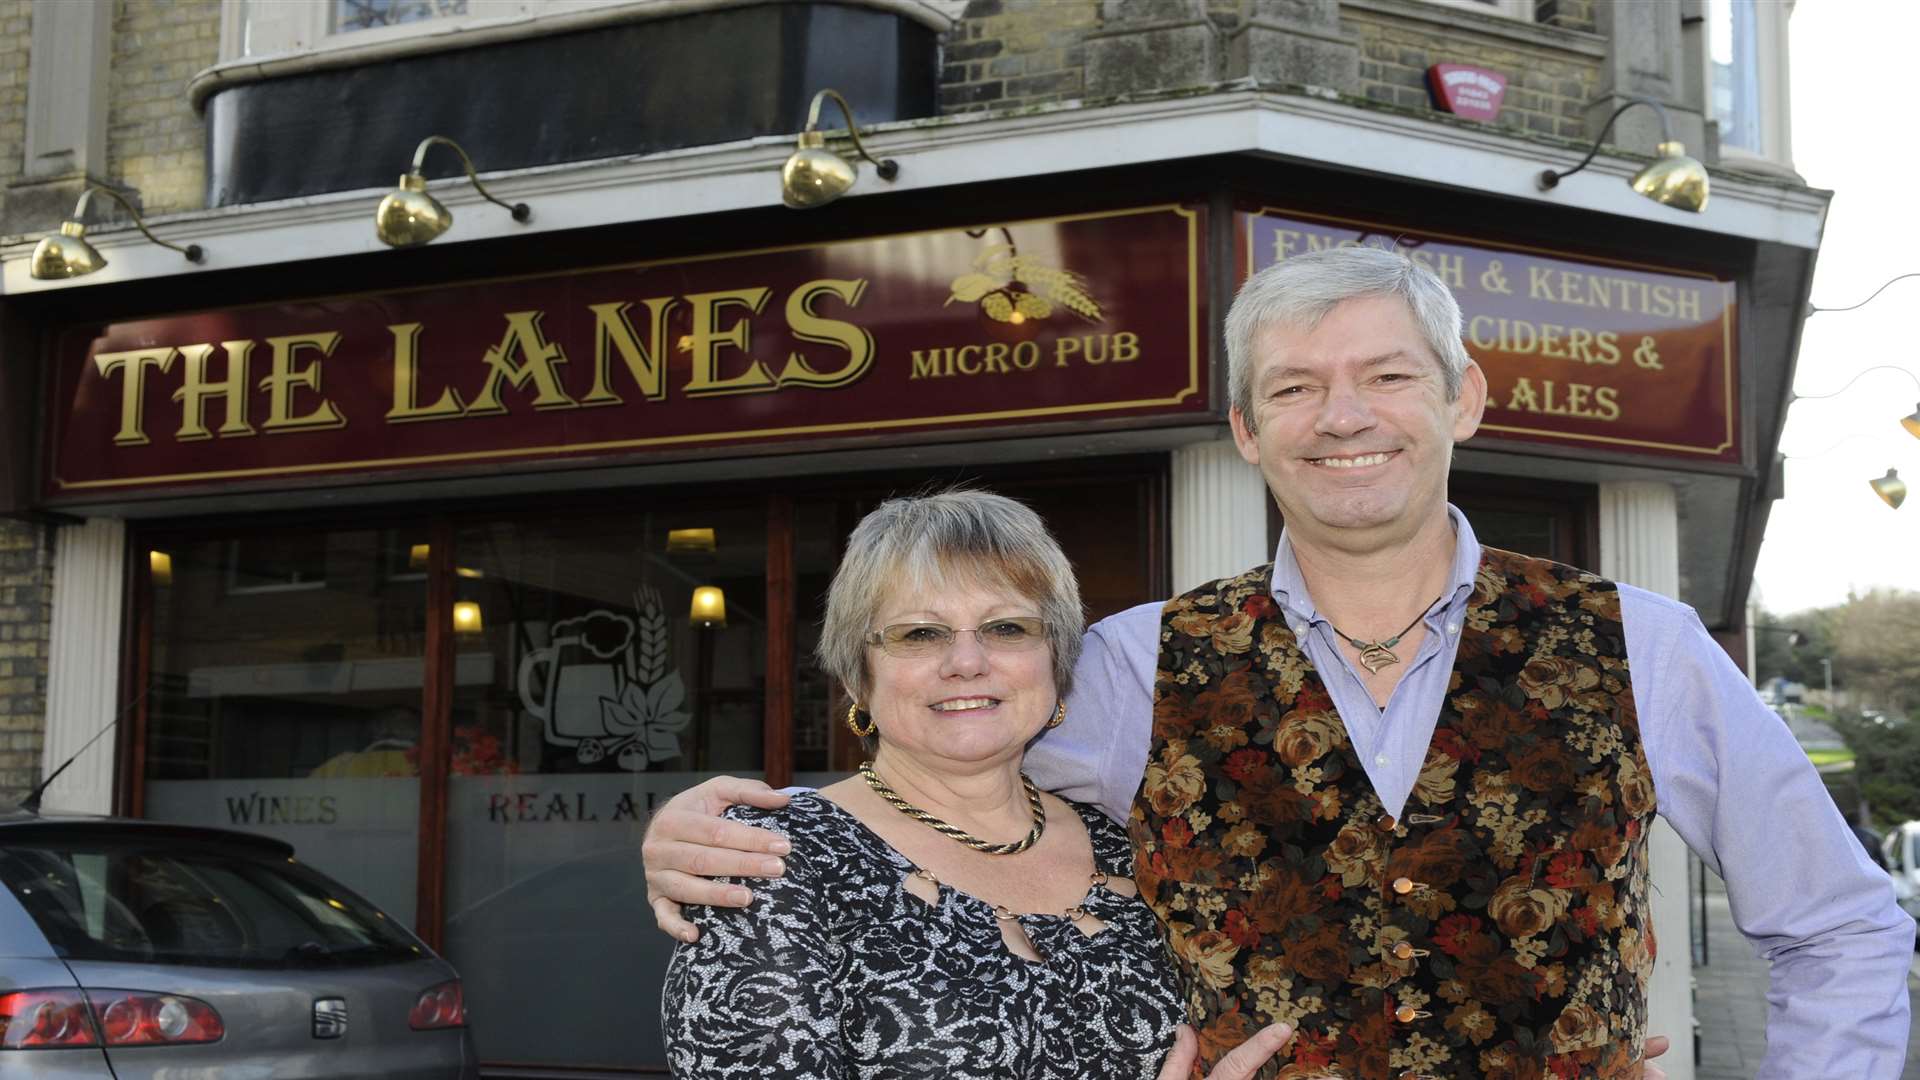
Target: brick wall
[(1004, 54), (1548, 87), (26, 570), (26, 611), (156, 143), (16, 27)]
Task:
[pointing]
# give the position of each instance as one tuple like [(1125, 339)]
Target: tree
[(1791, 647), (1886, 765), (1876, 642)]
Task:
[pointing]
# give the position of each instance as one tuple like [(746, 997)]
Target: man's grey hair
[(958, 537), (1298, 292)]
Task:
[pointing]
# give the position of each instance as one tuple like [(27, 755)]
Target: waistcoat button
[(1403, 951), (1403, 886), (1406, 1014), (1384, 823)]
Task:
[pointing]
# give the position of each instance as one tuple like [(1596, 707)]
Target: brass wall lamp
[(409, 217), (1891, 489), (1673, 179), (815, 175), (67, 254)]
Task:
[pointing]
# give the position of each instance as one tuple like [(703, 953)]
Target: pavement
[(1730, 1000)]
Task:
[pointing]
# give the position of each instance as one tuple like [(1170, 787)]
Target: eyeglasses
[(911, 640)]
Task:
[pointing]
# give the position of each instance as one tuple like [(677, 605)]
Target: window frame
[(1772, 79), (250, 30), (1517, 10)]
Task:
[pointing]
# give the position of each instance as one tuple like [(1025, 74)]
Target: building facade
[(446, 562)]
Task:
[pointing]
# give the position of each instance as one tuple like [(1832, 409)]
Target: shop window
[(283, 697), (596, 660), (617, 659)]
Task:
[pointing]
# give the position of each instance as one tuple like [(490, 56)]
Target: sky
[(1852, 135)]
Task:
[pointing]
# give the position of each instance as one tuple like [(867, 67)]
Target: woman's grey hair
[(1300, 291), (955, 537)]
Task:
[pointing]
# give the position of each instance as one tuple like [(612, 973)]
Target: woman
[(939, 916)]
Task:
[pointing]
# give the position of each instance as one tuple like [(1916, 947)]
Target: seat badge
[(329, 1018)]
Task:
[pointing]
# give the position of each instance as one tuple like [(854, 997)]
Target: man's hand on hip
[(688, 842)]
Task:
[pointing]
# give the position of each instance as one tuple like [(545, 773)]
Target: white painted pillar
[(83, 664), (1219, 514), (1640, 545)]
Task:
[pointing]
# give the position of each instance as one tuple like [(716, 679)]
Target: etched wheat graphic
[(1013, 288)]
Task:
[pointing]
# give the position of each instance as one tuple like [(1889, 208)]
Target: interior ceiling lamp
[(409, 217), (1673, 179), (466, 617), (709, 607), (681, 541), (1891, 489), (67, 254), (815, 175), (160, 567)]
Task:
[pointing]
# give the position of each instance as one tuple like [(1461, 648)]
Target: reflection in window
[(284, 690), (600, 686), (595, 662), (367, 14), (275, 563), (1733, 42)]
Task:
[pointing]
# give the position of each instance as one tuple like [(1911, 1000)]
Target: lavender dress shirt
[(1727, 776)]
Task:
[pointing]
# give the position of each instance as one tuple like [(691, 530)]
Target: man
[(1394, 789)]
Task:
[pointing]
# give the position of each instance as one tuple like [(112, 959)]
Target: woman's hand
[(688, 842), (1240, 1063)]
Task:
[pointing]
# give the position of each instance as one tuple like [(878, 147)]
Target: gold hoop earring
[(1059, 716), (853, 721)]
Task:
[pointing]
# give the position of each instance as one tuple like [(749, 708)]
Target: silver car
[(132, 950)]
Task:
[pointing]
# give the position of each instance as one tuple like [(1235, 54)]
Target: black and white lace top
[(837, 972)]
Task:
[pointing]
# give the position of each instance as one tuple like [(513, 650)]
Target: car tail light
[(442, 1006), (30, 1019), (132, 1018)]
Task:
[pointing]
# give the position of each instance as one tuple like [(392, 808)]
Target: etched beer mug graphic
[(602, 686)]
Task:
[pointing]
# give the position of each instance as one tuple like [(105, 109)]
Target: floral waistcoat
[(1499, 929)]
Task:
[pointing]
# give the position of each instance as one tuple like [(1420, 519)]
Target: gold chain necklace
[(1375, 655), (893, 799)]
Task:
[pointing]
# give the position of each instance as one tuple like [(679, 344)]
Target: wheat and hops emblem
[(1013, 288)]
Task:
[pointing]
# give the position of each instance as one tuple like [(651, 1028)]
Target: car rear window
[(166, 901)]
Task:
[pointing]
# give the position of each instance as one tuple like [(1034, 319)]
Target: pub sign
[(1071, 319), (1578, 352)]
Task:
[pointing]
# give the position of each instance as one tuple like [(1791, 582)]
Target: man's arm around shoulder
[(1733, 782)]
